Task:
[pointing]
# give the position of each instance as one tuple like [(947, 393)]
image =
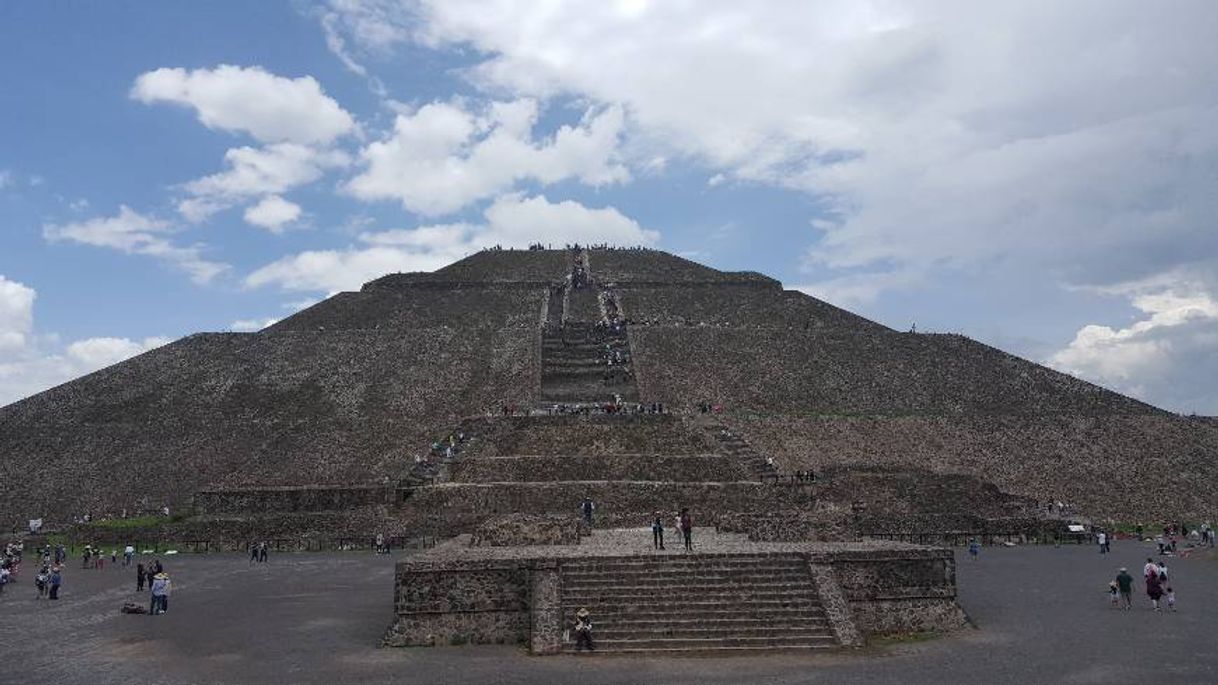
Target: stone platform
[(728, 594)]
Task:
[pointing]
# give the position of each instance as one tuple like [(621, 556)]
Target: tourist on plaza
[(262, 552), (1124, 583), (583, 630), (687, 529), (253, 552), (657, 531), (5, 574), (587, 507), (1162, 573), (128, 554), (42, 581), (1171, 599), (1114, 594), (1101, 539), (974, 548), (139, 577), (1150, 569), (56, 581), (1154, 590), (160, 593)]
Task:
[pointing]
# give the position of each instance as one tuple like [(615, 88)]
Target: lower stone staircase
[(736, 446), (696, 602)]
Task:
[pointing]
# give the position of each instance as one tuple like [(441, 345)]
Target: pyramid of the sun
[(348, 390)]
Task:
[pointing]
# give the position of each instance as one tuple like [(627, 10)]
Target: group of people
[(157, 580), (1157, 582), (258, 552), (684, 524), (10, 563), (615, 407)]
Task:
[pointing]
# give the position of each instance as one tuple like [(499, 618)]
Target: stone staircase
[(573, 366), (696, 602), (736, 446)]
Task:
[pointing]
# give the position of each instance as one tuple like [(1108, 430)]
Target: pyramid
[(350, 393)]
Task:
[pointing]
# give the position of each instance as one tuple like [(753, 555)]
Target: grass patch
[(151, 521), (903, 639)]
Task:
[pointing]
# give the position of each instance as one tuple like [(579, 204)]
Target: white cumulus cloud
[(1168, 354), (250, 100), (31, 363), (135, 233), (272, 213), (444, 156), (510, 221)]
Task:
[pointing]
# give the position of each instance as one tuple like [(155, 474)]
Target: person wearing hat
[(1124, 583), (160, 593), (583, 630)]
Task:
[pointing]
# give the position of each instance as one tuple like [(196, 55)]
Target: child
[(974, 548), (1114, 594), (1171, 599)]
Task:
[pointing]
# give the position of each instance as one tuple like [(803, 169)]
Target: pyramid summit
[(315, 413)]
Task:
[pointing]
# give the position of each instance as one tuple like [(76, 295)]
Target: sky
[(1040, 176)]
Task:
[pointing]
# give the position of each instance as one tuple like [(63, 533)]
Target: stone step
[(794, 621), (680, 562), (710, 651), (715, 613), (676, 595), (776, 629), (679, 567), (714, 643), (659, 579)]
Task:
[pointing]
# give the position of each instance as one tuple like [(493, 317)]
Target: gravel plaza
[(1041, 616)]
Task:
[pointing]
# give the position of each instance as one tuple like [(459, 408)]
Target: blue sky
[(1038, 177)]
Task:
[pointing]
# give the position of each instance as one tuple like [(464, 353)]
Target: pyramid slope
[(346, 391)]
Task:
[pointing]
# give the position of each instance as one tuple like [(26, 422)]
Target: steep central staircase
[(697, 602)]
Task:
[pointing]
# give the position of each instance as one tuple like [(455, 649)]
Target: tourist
[(1154, 590), (4, 577), (56, 581), (588, 507), (1102, 540), (657, 531), (1150, 569), (1114, 595), (583, 630), (253, 552), (1124, 583), (262, 552), (687, 529), (42, 580), (128, 554), (139, 577), (974, 548), (1162, 568), (1161, 543), (160, 593), (113, 556)]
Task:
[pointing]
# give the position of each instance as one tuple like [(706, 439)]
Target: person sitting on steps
[(583, 630)]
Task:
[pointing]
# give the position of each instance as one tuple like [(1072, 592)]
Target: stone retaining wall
[(904, 592), (289, 499), (706, 501), (699, 467), (868, 592)]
